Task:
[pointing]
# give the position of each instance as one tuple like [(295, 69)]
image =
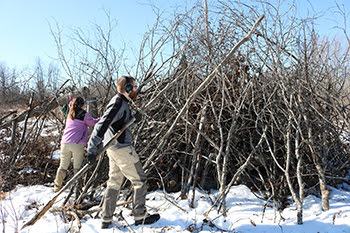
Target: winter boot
[(149, 219), (61, 174), (106, 225)]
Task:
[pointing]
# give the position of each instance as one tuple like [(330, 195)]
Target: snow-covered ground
[(245, 214)]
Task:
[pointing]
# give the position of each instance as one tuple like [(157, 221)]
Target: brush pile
[(273, 117)]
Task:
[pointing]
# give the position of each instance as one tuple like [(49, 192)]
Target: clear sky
[(24, 24)]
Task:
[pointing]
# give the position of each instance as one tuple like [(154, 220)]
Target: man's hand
[(91, 159), (138, 116)]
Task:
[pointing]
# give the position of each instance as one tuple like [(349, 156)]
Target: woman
[(74, 140)]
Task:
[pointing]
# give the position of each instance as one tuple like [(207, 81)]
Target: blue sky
[(24, 24)]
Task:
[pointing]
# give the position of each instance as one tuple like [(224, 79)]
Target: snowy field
[(245, 214)]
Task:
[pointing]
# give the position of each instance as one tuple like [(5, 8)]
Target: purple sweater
[(76, 131)]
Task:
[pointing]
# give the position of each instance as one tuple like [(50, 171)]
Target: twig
[(127, 224), (7, 115), (72, 213)]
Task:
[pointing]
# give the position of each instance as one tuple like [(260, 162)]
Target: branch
[(203, 85)]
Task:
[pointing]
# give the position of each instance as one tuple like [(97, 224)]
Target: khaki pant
[(124, 162), (68, 151)]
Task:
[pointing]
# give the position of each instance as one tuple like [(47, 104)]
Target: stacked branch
[(272, 116)]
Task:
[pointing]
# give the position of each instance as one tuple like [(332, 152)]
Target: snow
[(56, 155), (245, 213), (28, 170)]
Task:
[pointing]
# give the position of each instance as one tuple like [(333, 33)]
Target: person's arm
[(90, 121)]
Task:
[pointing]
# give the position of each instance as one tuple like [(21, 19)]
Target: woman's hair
[(77, 104), (122, 82)]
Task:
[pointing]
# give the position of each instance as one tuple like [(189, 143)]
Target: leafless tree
[(11, 86)]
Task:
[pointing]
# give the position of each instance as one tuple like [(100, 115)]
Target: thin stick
[(72, 213), (127, 224)]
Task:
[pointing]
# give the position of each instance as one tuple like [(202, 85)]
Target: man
[(123, 159)]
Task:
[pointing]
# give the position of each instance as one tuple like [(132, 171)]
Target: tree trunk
[(298, 200)]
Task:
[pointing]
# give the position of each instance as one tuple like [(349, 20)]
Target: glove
[(91, 159), (138, 116)]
